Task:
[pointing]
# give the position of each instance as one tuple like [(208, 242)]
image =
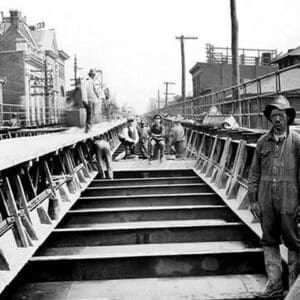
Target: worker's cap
[(130, 119), (93, 72), (157, 116), (282, 103)]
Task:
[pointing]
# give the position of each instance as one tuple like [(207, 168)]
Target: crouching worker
[(177, 137), (104, 158), (157, 137), (129, 137), (273, 192)]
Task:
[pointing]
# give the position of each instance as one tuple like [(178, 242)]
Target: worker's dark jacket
[(159, 130), (274, 182)]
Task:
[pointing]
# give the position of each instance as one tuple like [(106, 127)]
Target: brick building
[(34, 70), (292, 57), (216, 73)]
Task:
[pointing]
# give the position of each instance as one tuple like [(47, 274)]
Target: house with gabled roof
[(33, 66)]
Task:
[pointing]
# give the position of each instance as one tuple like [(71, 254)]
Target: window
[(61, 71)]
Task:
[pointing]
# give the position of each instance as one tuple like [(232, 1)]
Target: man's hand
[(297, 214), (255, 209)]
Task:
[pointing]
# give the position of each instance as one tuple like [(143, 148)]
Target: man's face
[(130, 123), (279, 121), (157, 120), (92, 75)]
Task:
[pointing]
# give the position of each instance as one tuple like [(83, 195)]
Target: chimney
[(15, 17)]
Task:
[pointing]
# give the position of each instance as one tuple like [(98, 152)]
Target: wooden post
[(14, 211), (182, 68), (53, 207), (235, 56), (22, 196), (182, 38)]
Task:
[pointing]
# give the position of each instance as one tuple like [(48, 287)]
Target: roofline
[(51, 53), (196, 66), (275, 60), (63, 54)]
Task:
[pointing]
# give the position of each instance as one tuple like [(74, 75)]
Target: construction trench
[(180, 229)]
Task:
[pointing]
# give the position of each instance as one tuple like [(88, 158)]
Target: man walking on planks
[(273, 192), (90, 97)]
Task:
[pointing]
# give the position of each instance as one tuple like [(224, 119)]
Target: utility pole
[(158, 100), (46, 92), (235, 56), (182, 38), (167, 83), (76, 79), (75, 69)]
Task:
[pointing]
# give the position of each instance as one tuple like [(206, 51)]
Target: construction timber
[(180, 229)]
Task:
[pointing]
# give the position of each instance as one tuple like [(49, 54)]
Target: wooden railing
[(254, 95), (40, 179)]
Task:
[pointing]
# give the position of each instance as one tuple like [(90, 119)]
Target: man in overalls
[(273, 192)]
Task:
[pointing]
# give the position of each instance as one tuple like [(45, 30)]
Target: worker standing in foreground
[(90, 97), (273, 192), (177, 137), (157, 137)]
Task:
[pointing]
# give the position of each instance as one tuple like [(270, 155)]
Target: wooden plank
[(227, 287), (152, 224), (37, 146), (145, 208), (144, 250)]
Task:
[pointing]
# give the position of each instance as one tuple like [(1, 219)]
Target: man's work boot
[(273, 266), (87, 128), (110, 174), (293, 265)]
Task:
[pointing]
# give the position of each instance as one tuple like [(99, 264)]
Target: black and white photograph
[(149, 150)]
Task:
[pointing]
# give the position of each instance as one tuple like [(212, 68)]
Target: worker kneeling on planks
[(104, 157), (273, 192)]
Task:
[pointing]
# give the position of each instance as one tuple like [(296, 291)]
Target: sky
[(133, 41)]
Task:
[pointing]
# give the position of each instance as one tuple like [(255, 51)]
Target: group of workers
[(274, 180), (154, 136)]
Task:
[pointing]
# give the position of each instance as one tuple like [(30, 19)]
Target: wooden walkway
[(20, 150)]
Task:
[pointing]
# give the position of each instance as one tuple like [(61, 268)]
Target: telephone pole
[(76, 79), (235, 55), (167, 83), (158, 100), (182, 38), (75, 69)]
